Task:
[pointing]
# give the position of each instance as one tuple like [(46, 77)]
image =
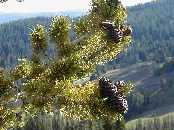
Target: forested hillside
[(153, 25), (153, 35), (14, 41), (153, 31), (153, 82)]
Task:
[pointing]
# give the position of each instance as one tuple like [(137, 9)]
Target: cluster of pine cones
[(116, 33), (113, 94)]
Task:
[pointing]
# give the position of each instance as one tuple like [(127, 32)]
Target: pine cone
[(114, 98), (120, 85), (120, 104), (112, 33), (107, 89)]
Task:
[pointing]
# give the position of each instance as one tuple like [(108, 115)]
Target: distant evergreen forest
[(153, 26), (14, 40), (153, 33)]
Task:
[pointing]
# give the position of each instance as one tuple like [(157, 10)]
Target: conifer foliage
[(45, 85)]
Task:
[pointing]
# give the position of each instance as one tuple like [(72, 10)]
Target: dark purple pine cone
[(113, 98), (118, 33), (107, 89), (120, 85), (112, 33), (107, 25), (120, 104), (113, 2), (127, 31)]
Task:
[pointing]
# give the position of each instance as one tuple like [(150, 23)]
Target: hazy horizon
[(32, 6)]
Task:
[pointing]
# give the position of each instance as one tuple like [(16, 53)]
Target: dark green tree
[(42, 85)]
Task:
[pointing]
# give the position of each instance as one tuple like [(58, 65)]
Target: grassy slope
[(143, 77), (140, 74), (158, 112), (131, 124)]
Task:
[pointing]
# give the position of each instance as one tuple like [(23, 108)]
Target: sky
[(53, 5)]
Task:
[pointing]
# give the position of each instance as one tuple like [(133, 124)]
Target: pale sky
[(53, 5)]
